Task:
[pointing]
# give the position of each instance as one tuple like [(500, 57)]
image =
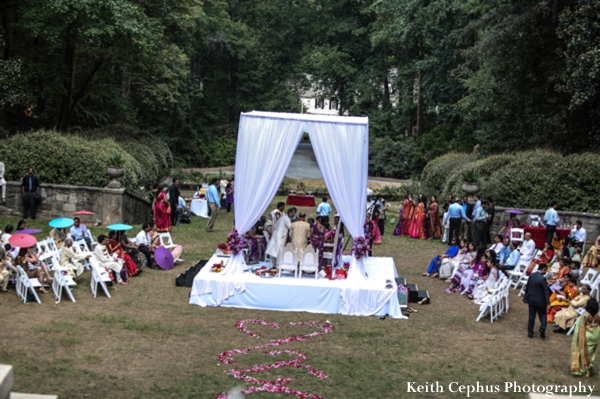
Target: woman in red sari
[(433, 227), (417, 227), (114, 246), (545, 258), (560, 300), (407, 214), (162, 212)]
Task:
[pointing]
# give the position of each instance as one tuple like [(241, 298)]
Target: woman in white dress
[(481, 291), (449, 265)]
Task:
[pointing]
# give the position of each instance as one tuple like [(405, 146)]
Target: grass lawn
[(148, 342)]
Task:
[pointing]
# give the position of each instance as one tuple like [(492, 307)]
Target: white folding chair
[(267, 237), (27, 285), (43, 249), (515, 274), (309, 261), (99, 278), (167, 242), (80, 248), (328, 254), (52, 245), (523, 281), (62, 282), (517, 234), (288, 260), (580, 311), (589, 277)]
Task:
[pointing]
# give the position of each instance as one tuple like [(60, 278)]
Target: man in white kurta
[(528, 248), (280, 234), (105, 260), (72, 260)]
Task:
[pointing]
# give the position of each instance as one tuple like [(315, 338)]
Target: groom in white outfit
[(280, 234)]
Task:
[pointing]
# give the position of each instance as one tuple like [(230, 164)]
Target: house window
[(319, 103), (333, 104)]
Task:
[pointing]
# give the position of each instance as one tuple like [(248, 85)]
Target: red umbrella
[(83, 212), (163, 258), (22, 240)]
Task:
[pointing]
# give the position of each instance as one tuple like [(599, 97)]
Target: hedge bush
[(530, 179), (389, 158), (75, 159)]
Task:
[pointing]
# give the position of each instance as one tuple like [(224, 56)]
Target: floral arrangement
[(235, 242), (223, 247), (360, 248), (279, 385)]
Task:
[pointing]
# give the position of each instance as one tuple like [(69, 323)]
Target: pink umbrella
[(83, 212), (163, 258), (22, 240)]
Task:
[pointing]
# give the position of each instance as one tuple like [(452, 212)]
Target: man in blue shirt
[(456, 213), (480, 217), (323, 210), (504, 253), (214, 203), (551, 220), (513, 259)]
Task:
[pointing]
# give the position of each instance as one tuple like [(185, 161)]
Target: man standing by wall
[(2, 183), (29, 188), (174, 200), (551, 220), (214, 203), (455, 215)]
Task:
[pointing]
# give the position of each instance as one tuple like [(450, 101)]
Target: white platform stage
[(301, 294)]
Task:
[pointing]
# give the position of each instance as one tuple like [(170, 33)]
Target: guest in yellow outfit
[(562, 299)]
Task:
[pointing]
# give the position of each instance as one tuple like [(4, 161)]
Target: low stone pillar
[(112, 205)]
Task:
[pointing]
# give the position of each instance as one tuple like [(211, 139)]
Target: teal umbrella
[(61, 223), (120, 227)]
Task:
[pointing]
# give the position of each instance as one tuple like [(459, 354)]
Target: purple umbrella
[(29, 231), (163, 258), (514, 211)]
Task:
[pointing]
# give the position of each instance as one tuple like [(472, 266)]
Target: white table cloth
[(199, 207), (300, 294)]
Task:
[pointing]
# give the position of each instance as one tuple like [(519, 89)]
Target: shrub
[(220, 152), (437, 172), (389, 158), (69, 158)]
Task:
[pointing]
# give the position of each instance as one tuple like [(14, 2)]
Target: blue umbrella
[(120, 227), (61, 223)]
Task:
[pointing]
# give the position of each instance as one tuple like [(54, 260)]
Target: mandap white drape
[(266, 143)]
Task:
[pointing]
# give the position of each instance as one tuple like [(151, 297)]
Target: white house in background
[(314, 102)]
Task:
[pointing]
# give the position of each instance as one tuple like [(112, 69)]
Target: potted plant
[(115, 170), (471, 182)]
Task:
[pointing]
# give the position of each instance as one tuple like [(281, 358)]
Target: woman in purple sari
[(256, 243), (317, 239), (466, 278), (512, 223)]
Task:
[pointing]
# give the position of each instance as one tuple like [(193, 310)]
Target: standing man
[(29, 188), (537, 296), (323, 210), (174, 200), (2, 183), (456, 214), (480, 217), (465, 226), (214, 203), (491, 211), (578, 234), (551, 220), (300, 233), (280, 234), (222, 187)]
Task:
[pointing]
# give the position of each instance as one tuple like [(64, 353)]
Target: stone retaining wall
[(109, 205)]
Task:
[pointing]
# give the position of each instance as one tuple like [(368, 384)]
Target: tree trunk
[(62, 122), (174, 133)]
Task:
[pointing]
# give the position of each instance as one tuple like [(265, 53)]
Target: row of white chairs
[(497, 300), (290, 259)]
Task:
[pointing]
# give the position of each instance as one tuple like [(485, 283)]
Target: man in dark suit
[(174, 200), (29, 188), (537, 296)]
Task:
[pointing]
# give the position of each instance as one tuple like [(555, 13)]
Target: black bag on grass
[(187, 279)]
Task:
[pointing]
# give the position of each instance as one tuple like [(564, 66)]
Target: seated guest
[(7, 234), (485, 286), (577, 255), (71, 260), (557, 242), (104, 259), (4, 272), (568, 250), (433, 269), (505, 251), (545, 257), (181, 208), (511, 223), (527, 248), (463, 280), (131, 249), (114, 247), (466, 254), (22, 225), (300, 233), (79, 231), (512, 261), (560, 300), (59, 236), (575, 269), (564, 268), (578, 234), (156, 241), (34, 268), (565, 318), (591, 259), (7, 259), (256, 243), (142, 240), (498, 245)]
